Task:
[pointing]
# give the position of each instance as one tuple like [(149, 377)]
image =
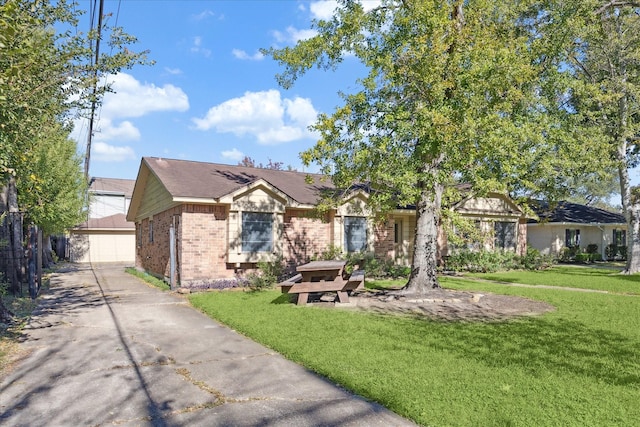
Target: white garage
[(108, 239)]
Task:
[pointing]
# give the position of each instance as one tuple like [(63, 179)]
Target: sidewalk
[(106, 349)]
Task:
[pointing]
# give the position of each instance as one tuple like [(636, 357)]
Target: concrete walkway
[(106, 349)]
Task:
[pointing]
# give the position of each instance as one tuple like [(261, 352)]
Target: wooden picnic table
[(323, 276)]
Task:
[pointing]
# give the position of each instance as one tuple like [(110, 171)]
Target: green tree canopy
[(604, 59), (456, 91)]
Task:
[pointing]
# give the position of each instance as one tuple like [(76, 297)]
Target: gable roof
[(574, 213), (112, 186), (199, 180)]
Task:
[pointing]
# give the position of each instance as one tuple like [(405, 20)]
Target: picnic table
[(323, 276)]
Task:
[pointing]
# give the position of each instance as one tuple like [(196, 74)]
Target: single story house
[(572, 225), (106, 236), (199, 221)]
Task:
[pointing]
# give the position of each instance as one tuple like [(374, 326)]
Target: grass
[(22, 308), (572, 277), (148, 278), (577, 366)]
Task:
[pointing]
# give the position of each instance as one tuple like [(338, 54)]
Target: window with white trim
[(355, 233), (257, 232)]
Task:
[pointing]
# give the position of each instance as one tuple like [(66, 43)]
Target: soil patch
[(446, 304)]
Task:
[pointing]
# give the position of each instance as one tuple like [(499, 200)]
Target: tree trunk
[(633, 226), (16, 256), (5, 315), (424, 271), (47, 251)]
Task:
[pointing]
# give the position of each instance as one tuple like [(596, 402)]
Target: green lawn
[(577, 366), (573, 277)]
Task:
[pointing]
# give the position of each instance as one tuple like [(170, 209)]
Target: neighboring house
[(106, 236), (569, 225), (498, 221), (220, 220)]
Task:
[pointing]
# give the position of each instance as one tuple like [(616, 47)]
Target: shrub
[(592, 248), (492, 261), (268, 274), (615, 252), (569, 253), (332, 252), (534, 260), (482, 261), (583, 257)]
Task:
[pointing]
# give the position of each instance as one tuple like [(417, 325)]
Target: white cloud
[(264, 115), (135, 99), (323, 9), (197, 47), (241, 54), (234, 154), (130, 99), (203, 15), (173, 71), (103, 152), (123, 131), (293, 35)]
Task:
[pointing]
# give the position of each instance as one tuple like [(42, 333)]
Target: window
[(620, 237), (505, 235), (355, 234), (397, 232), (139, 230), (571, 238), (150, 231), (257, 232)]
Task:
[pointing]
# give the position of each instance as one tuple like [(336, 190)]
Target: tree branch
[(617, 3)]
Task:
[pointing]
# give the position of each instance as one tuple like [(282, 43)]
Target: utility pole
[(87, 156)]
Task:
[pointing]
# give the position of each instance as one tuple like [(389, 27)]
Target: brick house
[(220, 220)]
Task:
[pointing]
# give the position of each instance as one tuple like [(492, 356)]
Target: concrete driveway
[(106, 349)]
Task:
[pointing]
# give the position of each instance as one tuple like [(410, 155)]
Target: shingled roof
[(113, 222), (574, 213), (112, 186), (190, 179)]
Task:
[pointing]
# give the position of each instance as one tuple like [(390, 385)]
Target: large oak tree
[(455, 91)]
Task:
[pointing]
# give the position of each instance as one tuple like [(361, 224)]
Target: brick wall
[(384, 235), (304, 236), (153, 256), (203, 243)]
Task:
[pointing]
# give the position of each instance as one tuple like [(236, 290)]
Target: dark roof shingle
[(185, 178), (567, 212), (112, 185)]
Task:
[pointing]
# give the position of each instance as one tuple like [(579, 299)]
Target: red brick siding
[(304, 236), (153, 257), (384, 236), (203, 243)]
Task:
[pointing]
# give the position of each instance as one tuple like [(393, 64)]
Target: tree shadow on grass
[(541, 345)]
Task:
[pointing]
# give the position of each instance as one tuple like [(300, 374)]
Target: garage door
[(111, 247)]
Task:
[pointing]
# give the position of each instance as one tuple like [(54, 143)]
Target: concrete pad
[(105, 349)]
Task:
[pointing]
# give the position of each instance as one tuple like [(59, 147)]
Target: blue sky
[(211, 96)]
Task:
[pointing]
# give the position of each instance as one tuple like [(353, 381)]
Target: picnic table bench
[(322, 276)]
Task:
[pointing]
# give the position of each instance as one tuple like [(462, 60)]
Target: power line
[(87, 155)]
